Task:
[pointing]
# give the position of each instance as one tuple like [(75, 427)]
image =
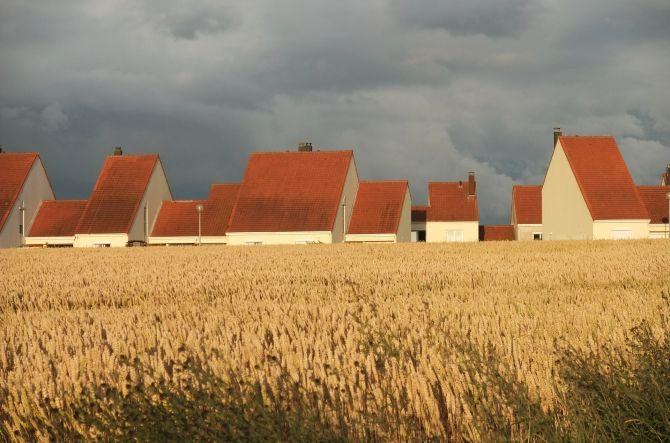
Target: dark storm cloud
[(425, 90), (501, 18)]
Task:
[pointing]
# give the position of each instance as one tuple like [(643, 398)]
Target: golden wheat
[(359, 329)]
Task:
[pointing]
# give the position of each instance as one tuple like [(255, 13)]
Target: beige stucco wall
[(349, 195), (188, 240), (565, 215), (35, 189), (436, 232), (157, 191), (404, 233), (525, 232), (279, 238), (93, 240), (371, 238), (41, 241), (602, 229), (659, 231)]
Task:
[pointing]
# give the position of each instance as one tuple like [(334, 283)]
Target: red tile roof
[(449, 201), (57, 218), (180, 218), (527, 204), (655, 199), (291, 191), (419, 213), (496, 233), (117, 194), (14, 169), (378, 207), (603, 177)]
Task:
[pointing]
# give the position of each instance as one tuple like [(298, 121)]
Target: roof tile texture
[(527, 202), (57, 218), (117, 194), (378, 207), (180, 218), (14, 169), (291, 191), (450, 201), (655, 199), (496, 233), (603, 177)]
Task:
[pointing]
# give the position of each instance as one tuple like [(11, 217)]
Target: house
[(657, 201), (588, 192), (382, 213), (297, 197), (124, 203), (452, 214), (419, 214), (55, 223), (496, 233), (179, 222), (526, 213), (23, 186)]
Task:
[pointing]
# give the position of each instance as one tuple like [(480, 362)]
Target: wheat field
[(361, 342)]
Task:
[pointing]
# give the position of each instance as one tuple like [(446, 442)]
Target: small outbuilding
[(419, 214), (124, 203), (190, 222), (23, 186), (526, 213), (382, 213), (657, 201), (55, 223), (588, 192), (295, 197), (496, 233), (452, 214)]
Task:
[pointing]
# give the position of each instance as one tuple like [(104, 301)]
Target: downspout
[(344, 219), (23, 223)]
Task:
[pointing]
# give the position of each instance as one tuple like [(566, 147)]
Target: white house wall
[(279, 238), (604, 229), (36, 188)]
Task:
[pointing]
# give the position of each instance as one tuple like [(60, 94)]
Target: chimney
[(557, 133), (118, 151), (472, 184), (665, 182), (305, 147)]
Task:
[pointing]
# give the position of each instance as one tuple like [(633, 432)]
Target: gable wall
[(35, 189), (565, 215)]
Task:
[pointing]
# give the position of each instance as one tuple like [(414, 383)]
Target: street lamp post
[(199, 208)]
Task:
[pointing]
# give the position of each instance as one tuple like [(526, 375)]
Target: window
[(537, 236), (622, 234), (455, 235), (253, 243), (421, 236), (102, 245)]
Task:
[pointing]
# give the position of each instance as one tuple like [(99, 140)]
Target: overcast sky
[(421, 89)]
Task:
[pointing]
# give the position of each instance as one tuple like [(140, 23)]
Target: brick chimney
[(118, 151), (472, 184), (305, 147), (557, 133)]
